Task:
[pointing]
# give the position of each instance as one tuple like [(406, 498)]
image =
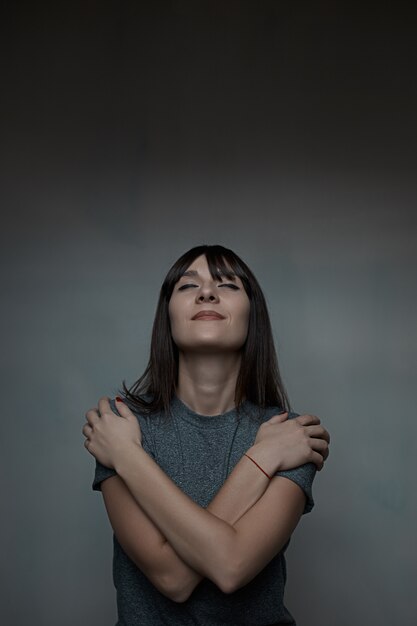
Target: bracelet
[(262, 470)]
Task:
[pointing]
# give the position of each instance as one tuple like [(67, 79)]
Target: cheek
[(174, 317), (243, 318), (246, 313), (171, 314)]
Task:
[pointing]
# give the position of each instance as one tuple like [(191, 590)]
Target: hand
[(283, 443), (108, 435)]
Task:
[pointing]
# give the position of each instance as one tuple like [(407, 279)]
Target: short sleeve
[(303, 476), (101, 471)]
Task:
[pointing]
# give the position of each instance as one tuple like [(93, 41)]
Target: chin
[(209, 346)]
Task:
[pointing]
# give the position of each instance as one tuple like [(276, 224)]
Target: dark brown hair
[(259, 379)]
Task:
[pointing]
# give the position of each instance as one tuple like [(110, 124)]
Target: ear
[(124, 409)]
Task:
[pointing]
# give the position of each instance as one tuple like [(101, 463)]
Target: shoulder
[(141, 414), (270, 411), (147, 423), (292, 415)]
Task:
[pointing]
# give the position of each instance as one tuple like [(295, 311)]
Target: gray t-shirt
[(198, 452)]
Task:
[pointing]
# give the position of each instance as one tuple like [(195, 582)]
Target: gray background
[(132, 132)]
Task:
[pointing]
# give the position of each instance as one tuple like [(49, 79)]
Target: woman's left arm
[(228, 555)]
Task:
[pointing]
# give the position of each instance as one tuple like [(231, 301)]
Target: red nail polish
[(119, 399)]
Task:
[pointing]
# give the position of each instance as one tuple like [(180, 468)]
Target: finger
[(87, 430), (124, 409), (277, 419), (87, 446), (92, 416), (321, 446), (317, 459), (104, 405), (307, 420), (317, 431)]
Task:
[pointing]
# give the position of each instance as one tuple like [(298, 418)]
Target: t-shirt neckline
[(185, 412)]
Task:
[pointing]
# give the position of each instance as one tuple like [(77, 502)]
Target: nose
[(207, 294)]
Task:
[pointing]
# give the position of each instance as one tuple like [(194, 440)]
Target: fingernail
[(119, 399)]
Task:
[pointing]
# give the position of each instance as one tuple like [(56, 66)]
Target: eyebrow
[(190, 273)]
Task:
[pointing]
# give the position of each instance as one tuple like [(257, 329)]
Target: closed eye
[(183, 287), (192, 285), (232, 285)]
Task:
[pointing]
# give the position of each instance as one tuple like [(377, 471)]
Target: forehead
[(200, 263), (200, 267)]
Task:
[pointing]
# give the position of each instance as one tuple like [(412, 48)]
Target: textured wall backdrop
[(130, 133)]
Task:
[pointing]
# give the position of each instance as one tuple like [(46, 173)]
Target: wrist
[(123, 457), (263, 457)]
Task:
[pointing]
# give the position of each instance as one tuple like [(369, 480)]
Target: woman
[(204, 471)]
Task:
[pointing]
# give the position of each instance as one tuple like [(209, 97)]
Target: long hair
[(259, 379)]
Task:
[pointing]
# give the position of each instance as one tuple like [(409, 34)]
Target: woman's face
[(195, 293)]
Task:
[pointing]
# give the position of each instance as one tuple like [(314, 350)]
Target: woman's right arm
[(147, 547)]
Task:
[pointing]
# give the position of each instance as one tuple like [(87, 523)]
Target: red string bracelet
[(262, 470)]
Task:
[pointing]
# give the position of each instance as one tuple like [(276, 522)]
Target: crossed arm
[(174, 541)]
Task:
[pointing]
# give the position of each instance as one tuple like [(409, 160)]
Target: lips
[(208, 315)]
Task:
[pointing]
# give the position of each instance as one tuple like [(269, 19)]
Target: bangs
[(259, 378), (222, 263), (219, 267)]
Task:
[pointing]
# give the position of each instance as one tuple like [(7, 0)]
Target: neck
[(207, 382)]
